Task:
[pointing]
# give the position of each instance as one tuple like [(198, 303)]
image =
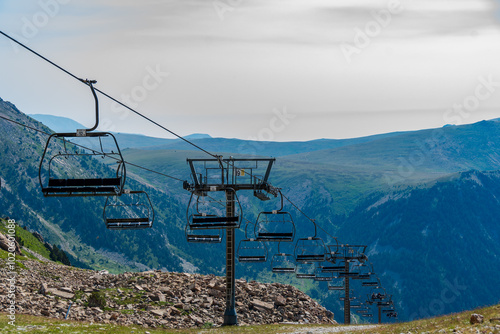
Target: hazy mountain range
[(425, 203)]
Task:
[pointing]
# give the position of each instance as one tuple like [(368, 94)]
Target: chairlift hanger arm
[(91, 85)]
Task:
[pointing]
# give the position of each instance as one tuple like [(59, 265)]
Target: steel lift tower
[(348, 254), (228, 176)]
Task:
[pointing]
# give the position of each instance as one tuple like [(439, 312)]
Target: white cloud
[(263, 55)]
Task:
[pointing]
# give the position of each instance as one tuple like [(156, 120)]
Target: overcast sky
[(263, 69)]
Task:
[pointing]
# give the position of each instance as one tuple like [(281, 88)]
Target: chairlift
[(388, 310), (363, 310), (251, 250), (386, 302), (392, 315), (310, 249), (344, 274), (336, 285), (350, 298), (333, 252), (370, 283), (329, 268), (66, 155), (208, 213), (275, 225), (322, 276), (305, 270), (367, 315), (132, 210), (283, 262), (364, 271), (204, 236), (261, 195), (377, 293)]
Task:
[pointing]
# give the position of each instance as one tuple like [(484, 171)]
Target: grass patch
[(460, 322), (32, 324), (19, 265), (28, 240)]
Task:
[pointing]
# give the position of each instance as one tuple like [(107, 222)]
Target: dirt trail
[(335, 329)]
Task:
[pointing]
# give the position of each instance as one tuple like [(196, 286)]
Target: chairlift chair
[(370, 283), (60, 171), (332, 268), (310, 249), (305, 270), (336, 285), (388, 310), (363, 310), (373, 283), (377, 293), (350, 298), (392, 315), (345, 274), (282, 262), (132, 210), (362, 276), (204, 236), (322, 276), (251, 250), (364, 271), (275, 225), (386, 301), (333, 251), (209, 213)]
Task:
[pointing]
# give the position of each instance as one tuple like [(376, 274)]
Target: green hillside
[(76, 223), (437, 245), (433, 225), (414, 154)]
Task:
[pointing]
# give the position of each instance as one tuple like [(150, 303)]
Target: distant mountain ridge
[(230, 145), (439, 216)]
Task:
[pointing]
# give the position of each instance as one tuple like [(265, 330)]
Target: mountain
[(424, 187), (424, 202), (198, 136), (249, 147), (442, 150), (58, 123), (437, 245)]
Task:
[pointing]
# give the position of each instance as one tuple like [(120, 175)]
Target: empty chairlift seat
[(370, 283), (208, 213), (336, 285), (251, 250), (283, 263), (322, 276), (205, 236), (275, 225), (132, 210), (72, 165), (311, 249), (305, 270), (203, 221), (82, 163)]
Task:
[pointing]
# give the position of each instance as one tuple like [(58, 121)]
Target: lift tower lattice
[(229, 176)]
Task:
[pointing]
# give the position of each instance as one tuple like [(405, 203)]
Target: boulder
[(6, 243), (262, 305), (476, 319)]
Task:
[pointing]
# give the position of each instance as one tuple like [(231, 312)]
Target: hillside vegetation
[(424, 202)]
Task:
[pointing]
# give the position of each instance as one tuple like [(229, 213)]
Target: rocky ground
[(151, 299)]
